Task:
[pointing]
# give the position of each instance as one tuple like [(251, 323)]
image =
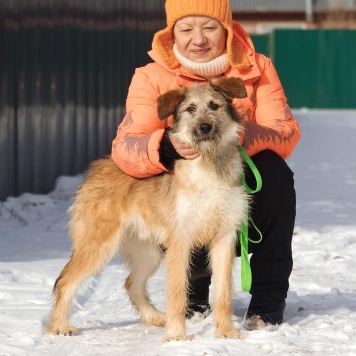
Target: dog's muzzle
[(205, 128), (206, 131)]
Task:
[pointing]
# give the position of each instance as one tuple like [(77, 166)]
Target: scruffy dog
[(201, 202)]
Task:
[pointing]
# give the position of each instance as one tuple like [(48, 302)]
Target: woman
[(201, 41)]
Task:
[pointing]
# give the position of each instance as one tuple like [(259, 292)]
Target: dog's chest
[(207, 202), (199, 202), (212, 209)]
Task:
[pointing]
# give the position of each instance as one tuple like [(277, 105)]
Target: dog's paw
[(57, 329), (184, 337), (231, 333), (255, 324), (157, 319)]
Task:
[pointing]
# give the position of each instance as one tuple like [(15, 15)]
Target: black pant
[(273, 211)]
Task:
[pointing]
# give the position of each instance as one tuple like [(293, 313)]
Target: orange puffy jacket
[(271, 123)]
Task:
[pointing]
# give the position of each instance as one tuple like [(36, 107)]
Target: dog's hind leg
[(222, 255), (143, 259), (86, 260)]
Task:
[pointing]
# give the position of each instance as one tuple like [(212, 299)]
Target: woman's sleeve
[(136, 146), (275, 127)]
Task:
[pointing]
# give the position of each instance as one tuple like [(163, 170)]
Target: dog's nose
[(205, 128)]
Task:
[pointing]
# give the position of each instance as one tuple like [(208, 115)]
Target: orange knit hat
[(220, 10)]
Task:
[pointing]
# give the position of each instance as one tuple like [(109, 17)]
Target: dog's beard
[(208, 148)]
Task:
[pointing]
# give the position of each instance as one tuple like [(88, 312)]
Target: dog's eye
[(213, 106), (191, 109)]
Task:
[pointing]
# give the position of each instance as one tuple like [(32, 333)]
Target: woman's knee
[(275, 173), (269, 162), (276, 200)]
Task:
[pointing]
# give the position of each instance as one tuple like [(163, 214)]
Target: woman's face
[(199, 38)]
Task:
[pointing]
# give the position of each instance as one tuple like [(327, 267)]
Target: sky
[(321, 304)]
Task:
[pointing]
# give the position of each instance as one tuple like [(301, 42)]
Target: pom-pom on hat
[(220, 10)]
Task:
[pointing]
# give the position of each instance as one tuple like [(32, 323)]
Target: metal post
[(309, 10)]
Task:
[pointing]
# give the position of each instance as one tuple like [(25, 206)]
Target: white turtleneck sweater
[(209, 69)]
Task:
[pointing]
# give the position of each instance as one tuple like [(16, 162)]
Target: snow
[(321, 305)]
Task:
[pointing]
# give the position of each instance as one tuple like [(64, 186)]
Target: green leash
[(246, 275)]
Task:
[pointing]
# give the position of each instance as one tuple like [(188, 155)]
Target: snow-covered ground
[(320, 317)]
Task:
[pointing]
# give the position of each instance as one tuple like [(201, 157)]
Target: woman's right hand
[(184, 149)]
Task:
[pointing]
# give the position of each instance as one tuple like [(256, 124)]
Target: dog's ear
[(231, 87), (168, 102)]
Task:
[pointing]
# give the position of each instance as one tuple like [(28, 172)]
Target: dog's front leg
[(222, 255), (178, 255)]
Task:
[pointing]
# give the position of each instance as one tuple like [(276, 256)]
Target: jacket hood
[(239, 48)]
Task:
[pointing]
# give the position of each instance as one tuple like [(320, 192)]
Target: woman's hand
[(184, 149)]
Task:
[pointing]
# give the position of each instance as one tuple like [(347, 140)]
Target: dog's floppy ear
[(168, 102), (231, 87)]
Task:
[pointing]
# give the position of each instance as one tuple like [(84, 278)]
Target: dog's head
[(203, 115)]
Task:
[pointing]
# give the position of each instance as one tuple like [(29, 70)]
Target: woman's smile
[(199, 38)]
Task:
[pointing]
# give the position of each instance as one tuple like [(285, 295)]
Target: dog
[(201, 202)]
